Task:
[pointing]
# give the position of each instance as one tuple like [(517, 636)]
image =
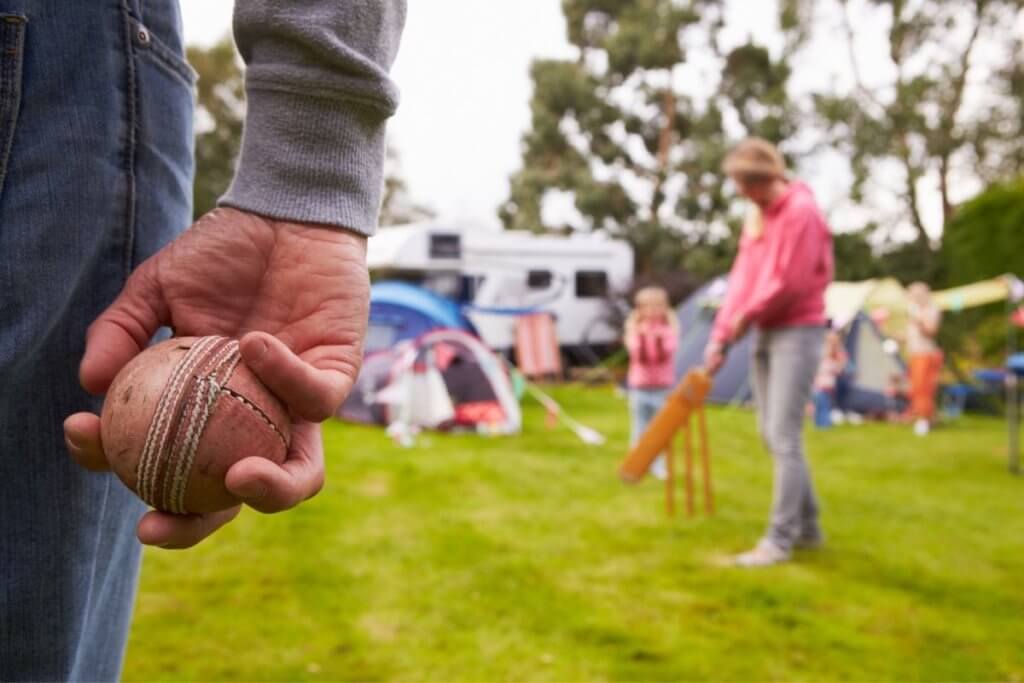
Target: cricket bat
[(687, 395)]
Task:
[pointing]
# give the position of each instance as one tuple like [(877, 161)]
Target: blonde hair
[(753, 224), (650, 296), (758, 158), (755, 157)]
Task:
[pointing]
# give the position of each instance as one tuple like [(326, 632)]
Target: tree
[(855, 258), (634, 143), (220, 111), (924, 123), (986, 237), (983, 240)]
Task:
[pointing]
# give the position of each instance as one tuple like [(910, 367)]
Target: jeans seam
[(87, 611), (12, 43), (132, 120)]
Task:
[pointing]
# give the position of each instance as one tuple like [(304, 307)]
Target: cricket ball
[(180, 414)]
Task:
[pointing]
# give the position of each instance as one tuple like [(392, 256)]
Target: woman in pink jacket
[(777, 285)]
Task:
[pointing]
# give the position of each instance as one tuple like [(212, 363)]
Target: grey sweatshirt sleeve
[(318, 96)]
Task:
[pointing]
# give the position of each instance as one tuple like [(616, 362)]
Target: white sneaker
[(921, 427), (764, 554), (659, 470), (855, 418), (837, 417)]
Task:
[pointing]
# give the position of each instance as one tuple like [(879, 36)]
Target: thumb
[(123, 330)]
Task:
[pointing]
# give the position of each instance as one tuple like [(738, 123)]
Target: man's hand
[(296, 295)]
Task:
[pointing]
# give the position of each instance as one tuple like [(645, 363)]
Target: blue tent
[(696, 316), (399, 311), (865, 381)]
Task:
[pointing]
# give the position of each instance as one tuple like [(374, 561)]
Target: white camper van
[(496, 275)]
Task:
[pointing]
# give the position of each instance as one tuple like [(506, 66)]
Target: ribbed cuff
[(310, 159)]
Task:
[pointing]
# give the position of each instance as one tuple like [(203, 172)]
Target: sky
[(463, 71)]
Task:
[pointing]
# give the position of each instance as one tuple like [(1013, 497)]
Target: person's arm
[(929, 321), (723, 330), (631, 336), (282, 266), (318, 96), (792, 256), (668, 339)]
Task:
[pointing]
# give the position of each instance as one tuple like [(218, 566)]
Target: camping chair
[(953, 399), (537, 353), (685, 402)]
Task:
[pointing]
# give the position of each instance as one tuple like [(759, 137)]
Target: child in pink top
[(651, 336)]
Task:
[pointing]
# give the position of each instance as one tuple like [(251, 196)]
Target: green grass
[(472, 558)]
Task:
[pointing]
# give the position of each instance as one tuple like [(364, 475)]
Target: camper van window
[(445, 246), (538, 279), (591, 284), (468, 287)]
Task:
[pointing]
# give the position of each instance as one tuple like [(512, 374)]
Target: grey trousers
[(785, 362)]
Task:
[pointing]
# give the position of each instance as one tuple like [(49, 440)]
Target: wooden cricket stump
[(683, 407)]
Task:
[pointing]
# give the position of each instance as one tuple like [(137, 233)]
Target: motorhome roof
[(408, 245)]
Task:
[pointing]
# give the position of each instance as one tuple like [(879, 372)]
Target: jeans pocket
[(12, 44), (163, 56)]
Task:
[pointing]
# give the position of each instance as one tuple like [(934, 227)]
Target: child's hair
[(651, 295)]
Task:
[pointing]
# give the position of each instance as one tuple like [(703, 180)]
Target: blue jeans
[(644, 404), (822, 409), (95, 175)]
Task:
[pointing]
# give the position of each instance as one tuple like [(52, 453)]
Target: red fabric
[(925, 369), (537, 345), (479, 412), (652, 350), (444, 354), (779, 278)]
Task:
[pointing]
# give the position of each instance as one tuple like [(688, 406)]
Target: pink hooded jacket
[(779, 278), (652, 351)]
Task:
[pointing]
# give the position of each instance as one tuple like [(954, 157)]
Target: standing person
[(96, 112), (777, 285), (925, 356), (652, 337)]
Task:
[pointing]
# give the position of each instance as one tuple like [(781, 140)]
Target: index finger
[(123, 330)]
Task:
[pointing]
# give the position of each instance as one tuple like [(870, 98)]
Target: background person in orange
[(925, 355)]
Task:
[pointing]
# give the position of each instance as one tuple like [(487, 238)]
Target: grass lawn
[(470, 558)]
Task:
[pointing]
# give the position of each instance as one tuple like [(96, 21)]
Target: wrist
[(326, 235)]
